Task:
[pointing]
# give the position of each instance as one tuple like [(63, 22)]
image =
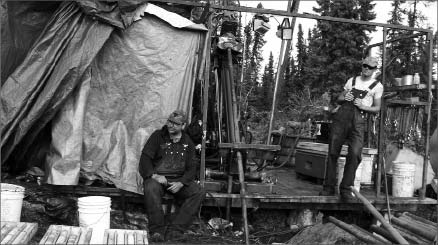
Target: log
[(378, 216), (419, 224), (368, 238), (384, 233), (411, 237), (380, 239), (419, 219), (425, 233)]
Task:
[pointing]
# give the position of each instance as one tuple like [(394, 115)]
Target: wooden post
[(428, 110), (378, 216), (378, 182), (242, 196)]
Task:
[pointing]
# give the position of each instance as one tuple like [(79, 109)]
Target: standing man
[(167, 166), (361, 95)]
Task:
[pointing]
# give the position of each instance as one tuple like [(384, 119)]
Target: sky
[(382, 10)]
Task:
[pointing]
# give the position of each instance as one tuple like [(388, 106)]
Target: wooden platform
[(289, 192), (292, 191), (17, 232), (61, 234)]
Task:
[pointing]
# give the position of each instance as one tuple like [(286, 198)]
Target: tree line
[(331, 53)]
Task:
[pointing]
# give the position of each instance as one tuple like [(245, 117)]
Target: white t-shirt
[(374, 93)]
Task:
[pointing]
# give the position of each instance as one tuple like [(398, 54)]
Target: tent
[(96, 81)]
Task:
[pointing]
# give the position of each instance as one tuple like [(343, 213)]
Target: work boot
[(327, 191), (347, 196)]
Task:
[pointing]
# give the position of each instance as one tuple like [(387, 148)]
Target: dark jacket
[(173, 160)]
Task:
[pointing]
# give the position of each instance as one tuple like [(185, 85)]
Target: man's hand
[(175, 187), (358, 103), (160, 179), (349, 96)]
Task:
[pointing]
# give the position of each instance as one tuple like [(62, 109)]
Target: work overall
[(190, 196), (348, 126)]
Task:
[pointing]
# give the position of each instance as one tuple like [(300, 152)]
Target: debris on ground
[(324, 234)]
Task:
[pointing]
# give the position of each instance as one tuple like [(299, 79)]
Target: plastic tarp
[(21, 24), (53, 67), (138, 78)]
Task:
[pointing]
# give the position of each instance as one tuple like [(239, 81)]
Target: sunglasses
[(369, 67), (171, 123)]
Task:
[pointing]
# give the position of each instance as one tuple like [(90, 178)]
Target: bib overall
[(348, 127)]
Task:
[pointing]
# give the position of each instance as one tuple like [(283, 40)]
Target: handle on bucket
[(98, 220)]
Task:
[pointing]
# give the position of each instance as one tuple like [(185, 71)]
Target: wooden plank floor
[(289, 192), (295, 191)]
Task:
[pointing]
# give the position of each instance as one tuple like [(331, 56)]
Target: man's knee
[(151, 186), (357, 154)]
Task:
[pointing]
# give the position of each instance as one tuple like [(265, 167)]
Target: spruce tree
[(301, 57), (336, 49), (268, 81)]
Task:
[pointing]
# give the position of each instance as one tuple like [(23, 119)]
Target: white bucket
[(11, 202), (403, 179), (367, 170), (94, 212), (340, 173)]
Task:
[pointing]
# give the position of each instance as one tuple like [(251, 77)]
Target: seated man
[(167, 166)]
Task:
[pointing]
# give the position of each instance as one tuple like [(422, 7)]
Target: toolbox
[(311, 157), (310, 163)]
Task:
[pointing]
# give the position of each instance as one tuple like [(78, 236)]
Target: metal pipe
[(206, 58), (233, 97), (219, 112), (228, 107), (230, 130), (274, 97), (285, 13), (428, 112), (378, 216), (239, 155), (278, 76), (392, 40), (223, 175), (230, 134)]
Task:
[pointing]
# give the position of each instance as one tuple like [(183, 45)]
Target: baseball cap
[(178, 116), (371, 61)]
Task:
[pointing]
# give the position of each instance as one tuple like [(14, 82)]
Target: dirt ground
[(266, 226)]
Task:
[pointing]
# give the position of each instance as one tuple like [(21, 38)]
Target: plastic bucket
[(403, 176), (340, 173), (367, 170), (94, 212), (11, 202)]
